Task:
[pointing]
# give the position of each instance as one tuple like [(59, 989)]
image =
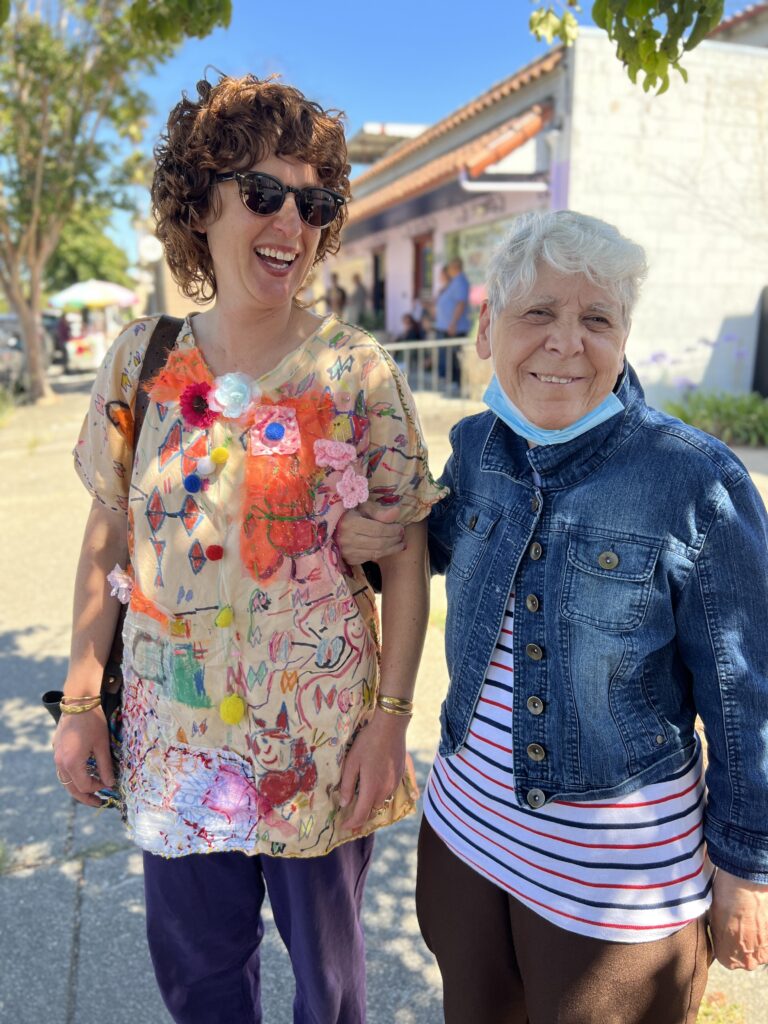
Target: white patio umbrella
[(95, 295)]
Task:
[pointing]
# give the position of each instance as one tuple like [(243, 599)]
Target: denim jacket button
[(608, 560), (535, 751), (535, 705), (532, 603), (535, 504), (534, 652), (535, 798), (536, 551)]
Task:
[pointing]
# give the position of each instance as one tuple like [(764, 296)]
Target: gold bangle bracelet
[(79, 709), (395, 702), (80, 700), (400, 713)]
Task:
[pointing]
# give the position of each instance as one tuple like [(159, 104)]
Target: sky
[(410, 61)]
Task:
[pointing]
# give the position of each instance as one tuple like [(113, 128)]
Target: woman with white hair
[(607, 582)]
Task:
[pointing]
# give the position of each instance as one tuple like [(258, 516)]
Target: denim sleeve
[(722, 621), (441, 517)]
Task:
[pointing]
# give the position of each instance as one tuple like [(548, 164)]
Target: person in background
[(336, 299), (63, 334), (411, 330), (452, 316), (607, 581), (263, 721), (358, 300)]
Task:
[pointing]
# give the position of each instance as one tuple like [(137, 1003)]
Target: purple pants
[(204, 929)]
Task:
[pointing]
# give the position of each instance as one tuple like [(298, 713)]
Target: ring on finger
[(62, 780)]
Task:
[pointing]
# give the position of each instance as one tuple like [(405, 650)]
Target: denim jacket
[(640, 569)]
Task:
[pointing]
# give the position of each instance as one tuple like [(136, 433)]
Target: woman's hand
[(77, 738), (738, 920), (375, 765), (369, 534)]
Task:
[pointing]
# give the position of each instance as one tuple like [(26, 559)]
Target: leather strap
[(160, 344)]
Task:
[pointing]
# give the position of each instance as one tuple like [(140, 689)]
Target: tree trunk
[(39, 388)]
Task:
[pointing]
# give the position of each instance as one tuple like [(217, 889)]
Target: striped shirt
[(629, 870)]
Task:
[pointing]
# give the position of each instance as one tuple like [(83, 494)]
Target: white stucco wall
[(685, 175)]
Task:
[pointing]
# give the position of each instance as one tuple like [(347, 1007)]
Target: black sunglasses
[(265, 195)]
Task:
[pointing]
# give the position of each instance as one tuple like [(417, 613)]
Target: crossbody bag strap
[(160, 344)]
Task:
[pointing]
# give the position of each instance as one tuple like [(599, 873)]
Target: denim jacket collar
[(562, 465)]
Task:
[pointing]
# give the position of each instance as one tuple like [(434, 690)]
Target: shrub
[(735, 419)]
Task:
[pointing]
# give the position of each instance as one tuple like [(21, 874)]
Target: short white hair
[(570, 243)]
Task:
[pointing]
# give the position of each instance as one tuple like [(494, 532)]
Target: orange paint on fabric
[(279, 518)]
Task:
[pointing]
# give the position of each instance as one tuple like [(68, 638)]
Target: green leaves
[(735, 419), (545, 23), (651, 36)]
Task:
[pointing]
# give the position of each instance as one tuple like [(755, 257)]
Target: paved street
[(72, 943)]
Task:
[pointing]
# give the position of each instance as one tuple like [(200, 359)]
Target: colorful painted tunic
[(251, 650)]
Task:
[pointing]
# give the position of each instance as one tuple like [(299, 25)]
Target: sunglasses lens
[(263, 196), (317, 207)]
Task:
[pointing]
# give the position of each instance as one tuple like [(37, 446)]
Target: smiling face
[(558, 351), (260, 263)]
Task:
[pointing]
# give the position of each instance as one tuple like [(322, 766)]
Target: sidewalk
[(72, 942)]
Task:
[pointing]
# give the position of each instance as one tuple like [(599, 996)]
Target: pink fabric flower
[(352, 489), (334, 454), (121, 583), (195, 407)]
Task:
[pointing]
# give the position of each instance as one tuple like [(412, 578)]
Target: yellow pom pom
[(224, 617), (220, 456), (232, 709)]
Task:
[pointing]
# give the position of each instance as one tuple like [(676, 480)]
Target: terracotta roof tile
[(474, 157), (736, 19), (537, 69)]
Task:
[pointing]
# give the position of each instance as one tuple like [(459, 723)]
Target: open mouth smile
[(276, 259)]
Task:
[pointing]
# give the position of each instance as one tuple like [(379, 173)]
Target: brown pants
[(503, 964)]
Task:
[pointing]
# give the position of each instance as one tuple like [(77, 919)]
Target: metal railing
[(427, 365)]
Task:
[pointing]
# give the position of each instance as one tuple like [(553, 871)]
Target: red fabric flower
[(195, 408)]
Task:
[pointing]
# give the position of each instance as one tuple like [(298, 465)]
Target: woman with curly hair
[(263, 723)]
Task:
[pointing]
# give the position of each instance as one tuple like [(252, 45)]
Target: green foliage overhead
[(735, 419), (71, 119), (651, 36), (85, 250)]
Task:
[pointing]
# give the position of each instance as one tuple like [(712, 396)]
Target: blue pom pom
[(192, 483), (275, 432)]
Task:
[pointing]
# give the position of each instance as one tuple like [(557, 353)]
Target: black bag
[(160, 344)]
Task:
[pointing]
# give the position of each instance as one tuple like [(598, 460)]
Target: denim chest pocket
[(474, 525), (607, 583)]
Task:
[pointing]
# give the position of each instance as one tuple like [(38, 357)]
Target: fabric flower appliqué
[(196, 408), (233, 393), (121, 583), (275, 431), (334, 454), (352, 489)]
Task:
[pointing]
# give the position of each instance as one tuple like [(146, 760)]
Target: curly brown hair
[(230, 127)]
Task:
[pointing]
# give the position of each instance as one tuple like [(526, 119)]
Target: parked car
[(12, 361)]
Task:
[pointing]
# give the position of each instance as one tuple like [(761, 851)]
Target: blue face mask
[(497, 401)]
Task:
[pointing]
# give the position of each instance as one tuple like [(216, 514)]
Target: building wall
[(684, 174), (477, 211)]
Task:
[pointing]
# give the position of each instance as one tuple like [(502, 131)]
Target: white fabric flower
[(232, 394)]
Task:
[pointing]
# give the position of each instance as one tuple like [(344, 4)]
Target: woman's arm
[(376, 760), (94, 617)]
